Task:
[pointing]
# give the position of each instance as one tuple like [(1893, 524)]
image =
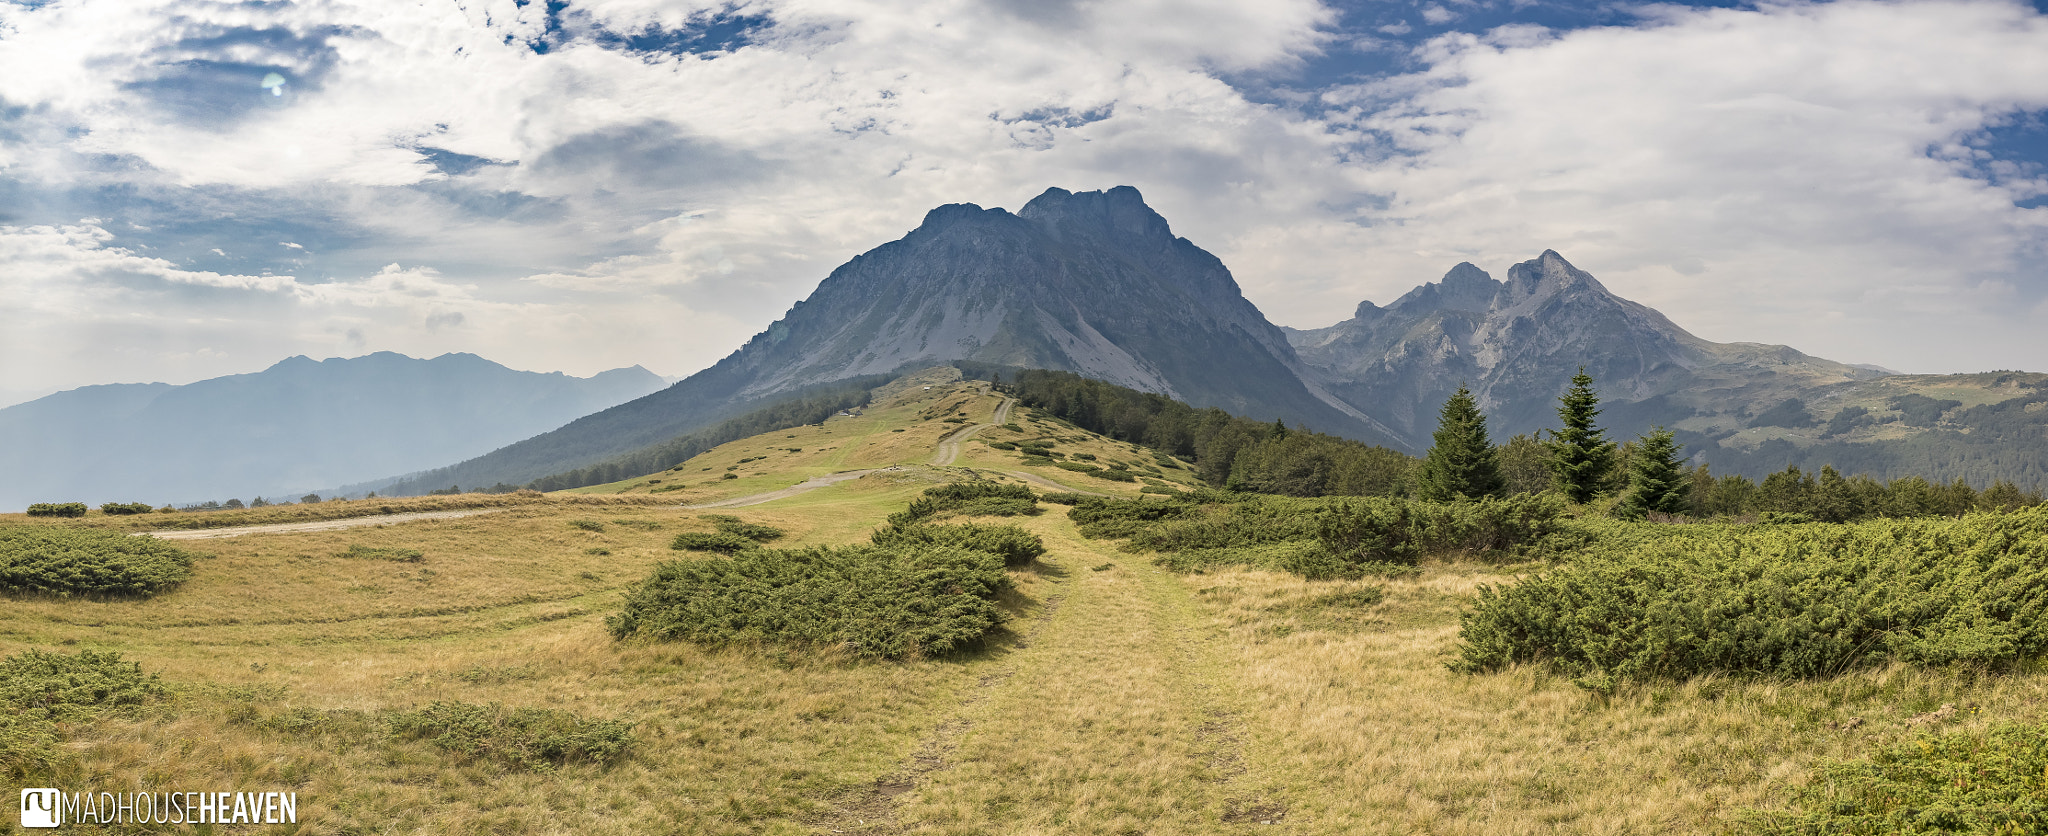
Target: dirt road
[(322, 525), (949, 447), (793, 490)]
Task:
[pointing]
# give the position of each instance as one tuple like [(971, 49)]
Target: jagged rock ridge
[(1518, 342)]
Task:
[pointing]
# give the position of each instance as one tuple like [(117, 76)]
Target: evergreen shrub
[(1646, 602), (124, 509), (1014, 545), (57, 509), (867, 601), (68, 561), (41, 692), (1991, 781)]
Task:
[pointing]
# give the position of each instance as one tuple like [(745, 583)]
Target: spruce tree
[(1657, 481), (1461, 465), (1580, 457)]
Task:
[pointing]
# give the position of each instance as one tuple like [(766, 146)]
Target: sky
[(190, 189)]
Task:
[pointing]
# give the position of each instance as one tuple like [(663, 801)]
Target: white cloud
[(1746, 171), (1751, 171)]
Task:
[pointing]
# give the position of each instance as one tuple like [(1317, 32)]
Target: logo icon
[(41, 808)]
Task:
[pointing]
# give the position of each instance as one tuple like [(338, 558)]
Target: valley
[(1120, 697)]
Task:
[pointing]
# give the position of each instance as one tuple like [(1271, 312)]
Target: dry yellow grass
[(1125, 699)]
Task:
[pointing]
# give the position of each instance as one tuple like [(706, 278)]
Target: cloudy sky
[(190, 189)]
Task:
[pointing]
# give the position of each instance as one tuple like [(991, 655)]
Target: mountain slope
[(298, 424), (1094, 283), (1518, 342)]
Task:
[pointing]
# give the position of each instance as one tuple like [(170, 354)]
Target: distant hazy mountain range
[(1096, 283), (300, 424)]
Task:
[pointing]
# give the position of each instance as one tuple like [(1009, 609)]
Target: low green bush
[(1778, 600), (1104, 518), (124, 509), (1077, 467), (1993, 781), (1036, 461), (962, 491), (67, 687), (1014, 545), (867, 601), (531, 738), (753, 531), (396, 555), (1064, 498), (712, 541), (969, 499), (1114, 475), (57, 509), (1344, 537), (42, 692), (1002, 445), (68, 561), (586, 525)]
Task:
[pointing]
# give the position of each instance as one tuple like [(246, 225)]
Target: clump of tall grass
[(531, 738)]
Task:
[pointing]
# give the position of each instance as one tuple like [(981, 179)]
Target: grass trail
[(1113, 715)]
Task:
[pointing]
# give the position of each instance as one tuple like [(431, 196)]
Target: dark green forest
[(1980, 445), (1237, 453), (1253, 456)]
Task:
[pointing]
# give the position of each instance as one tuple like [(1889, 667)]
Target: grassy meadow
[(1119, 698)]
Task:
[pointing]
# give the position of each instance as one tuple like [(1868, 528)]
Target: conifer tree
[(1461, 465), (1657, 481), (1580, 457)]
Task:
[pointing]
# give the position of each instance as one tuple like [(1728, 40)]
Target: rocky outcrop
[(1518, 342)]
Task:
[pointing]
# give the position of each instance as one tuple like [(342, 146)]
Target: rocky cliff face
[(1094, 282), (1518, 342)]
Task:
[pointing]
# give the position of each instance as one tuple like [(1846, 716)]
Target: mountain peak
[(1547, 275), (1464, 288), (1117, 212), (952, 213)]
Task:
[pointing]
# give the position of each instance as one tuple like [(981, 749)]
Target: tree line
[(1634, 479), (1228, 451), (1650, 475)]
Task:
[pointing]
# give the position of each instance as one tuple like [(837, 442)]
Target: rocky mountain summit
[(1097, 283), (1518, 342), (1089, 282)]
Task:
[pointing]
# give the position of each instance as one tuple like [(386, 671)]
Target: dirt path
[(793, 490), (322, 525), (1116, 714), (949, 447), (1048, 484)]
